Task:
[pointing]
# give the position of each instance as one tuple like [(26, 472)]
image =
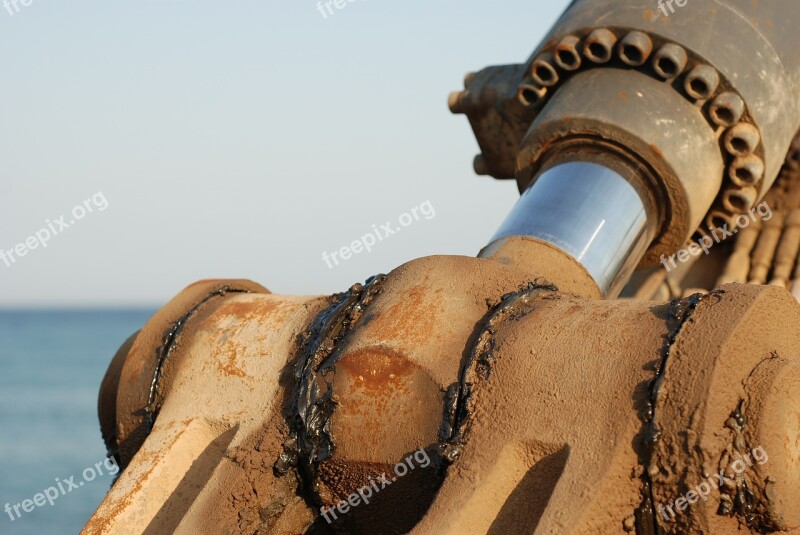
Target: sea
[(51, 366)]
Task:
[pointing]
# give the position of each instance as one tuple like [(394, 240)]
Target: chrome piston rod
[(590, 212)]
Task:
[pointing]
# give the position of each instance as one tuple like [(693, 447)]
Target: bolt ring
[(669, 61), (599, 46), (635, 49), (543, 72), (727, 109), (742, 139), (701, 83), (746, 170), (529, 94), (567, 54)]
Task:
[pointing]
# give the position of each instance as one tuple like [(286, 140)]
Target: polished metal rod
[(590, 212)]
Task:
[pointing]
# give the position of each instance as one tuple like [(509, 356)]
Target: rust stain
[(377, 371), (412, 317), (345, 477), (241, 309), (228, 367), (656, 150), (552, 42)]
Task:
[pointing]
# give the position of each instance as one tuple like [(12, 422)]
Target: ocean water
[(51, 365)]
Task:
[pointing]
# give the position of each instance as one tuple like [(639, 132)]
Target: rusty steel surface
[(511, 390)]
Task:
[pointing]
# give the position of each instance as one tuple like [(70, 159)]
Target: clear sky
[(241, 139)]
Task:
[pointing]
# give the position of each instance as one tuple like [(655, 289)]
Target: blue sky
[(241, 139)]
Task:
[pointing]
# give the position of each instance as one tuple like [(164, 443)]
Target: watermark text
[(365, 493), (378, 234), (61, 488), (717, 235), (53, 228)]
